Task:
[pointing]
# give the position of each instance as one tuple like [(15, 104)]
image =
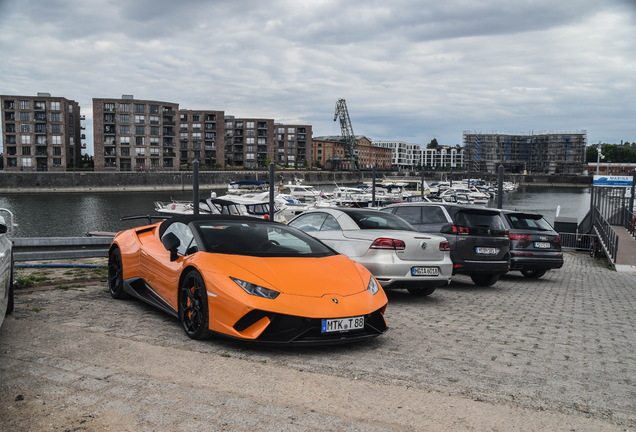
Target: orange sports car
[(248, 279)]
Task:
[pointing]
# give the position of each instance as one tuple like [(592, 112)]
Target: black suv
[(478, 239), (535, 247)]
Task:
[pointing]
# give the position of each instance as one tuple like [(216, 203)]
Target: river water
[(74, 214)]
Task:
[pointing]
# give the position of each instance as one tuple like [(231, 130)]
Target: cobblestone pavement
[(562, 344)]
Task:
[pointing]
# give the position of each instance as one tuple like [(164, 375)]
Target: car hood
[(311, 277)]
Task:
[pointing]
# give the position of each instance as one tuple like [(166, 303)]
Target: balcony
[(40, 118), (169, 154), (109, 153), (109, 130), (40, 131), (210, 147), (108, 109), (39, 107), (168, 123), (169, 133), (9, 105), (168, 112)]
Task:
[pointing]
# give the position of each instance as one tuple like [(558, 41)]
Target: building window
[(109, 107), (228, 125), (25, 128), (55, 106), (291, 130), (154, 109), (154, 163), (196, 135), (40, 139), (262, 141), (154, 141), (210, 135), (124, 129), (140, 130), (154, 130), (71, 130), (196, 126), (57, 161), (57, 151), (24, 105), (140, 108), (124, 107), (249, 125), (71, 141), (124, 140), (183, 126), (140, 119), (184, 154), (196, 117), (55, 117), (140, 151), (70, 108), (210, 117), (140, 141), (56, 128), (154, 120), (183, 117), (249, 140), (154, 151), (25, 139), (56, 140), (249, 132), (124, 118), (26, 162), (26, 151), (183, 135), (125, 151), (25, 116)]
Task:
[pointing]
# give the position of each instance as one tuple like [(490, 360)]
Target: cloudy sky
[(409, 70)]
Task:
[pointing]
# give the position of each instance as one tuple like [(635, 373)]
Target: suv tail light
[(390, 244), (519, 237), (455, 229), (444, 246), (557, 239)]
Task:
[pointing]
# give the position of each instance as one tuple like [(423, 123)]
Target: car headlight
[(256, 290), (373, 286)]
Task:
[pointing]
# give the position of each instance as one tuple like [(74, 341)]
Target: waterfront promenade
[(555, 353)]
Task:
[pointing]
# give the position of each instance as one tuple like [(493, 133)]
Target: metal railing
[(51, 248), (630, 222), (577, 241), (606, 234)]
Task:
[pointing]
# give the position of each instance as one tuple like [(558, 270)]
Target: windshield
[(259, 239), (371, 219), (529, 222)]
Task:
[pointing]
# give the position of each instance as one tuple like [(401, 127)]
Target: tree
[(433, 144)]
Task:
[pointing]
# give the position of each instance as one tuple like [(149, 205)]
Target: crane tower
[(351, 154)]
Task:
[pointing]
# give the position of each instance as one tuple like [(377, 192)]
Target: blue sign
[(615, 181)]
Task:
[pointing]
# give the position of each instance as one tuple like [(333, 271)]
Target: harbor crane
[(351, 153)]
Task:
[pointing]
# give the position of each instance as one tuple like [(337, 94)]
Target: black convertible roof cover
[(187, 219)]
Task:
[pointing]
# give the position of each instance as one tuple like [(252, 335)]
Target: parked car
[(246, 278), (6, 267), (391, 249), (535, 247), (479, 244)]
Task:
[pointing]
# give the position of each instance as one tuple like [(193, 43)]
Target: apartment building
[(531, 152), (442, 157), (403, 155), (329, 152), (41, 133), (134, 134), (198, 135)]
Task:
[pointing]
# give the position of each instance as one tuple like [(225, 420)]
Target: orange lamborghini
[(248, 279)]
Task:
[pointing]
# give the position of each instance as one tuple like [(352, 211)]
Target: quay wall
[(82, 181)]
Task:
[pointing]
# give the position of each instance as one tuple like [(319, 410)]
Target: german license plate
[(424, 271), (542, 245), (485, 251), (342, 324)]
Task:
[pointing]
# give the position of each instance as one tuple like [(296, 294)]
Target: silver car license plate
[(342, 324), (486, 251), (424, 271), (542, 245)]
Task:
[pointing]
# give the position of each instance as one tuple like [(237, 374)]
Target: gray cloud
[(410, 70)]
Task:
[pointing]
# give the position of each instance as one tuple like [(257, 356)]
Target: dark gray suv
[(478, 238)]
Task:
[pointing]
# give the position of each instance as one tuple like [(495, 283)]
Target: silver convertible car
[(399, 256)]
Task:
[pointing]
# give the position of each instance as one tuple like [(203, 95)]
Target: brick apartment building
[(329, 151), (41, 133), (142, 134)]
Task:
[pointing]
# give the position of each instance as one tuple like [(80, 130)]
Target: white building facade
[(403, 155), (442, 157)]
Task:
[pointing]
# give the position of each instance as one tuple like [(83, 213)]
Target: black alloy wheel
[(193, 306), (116, 275), (484, 280), (533, 274), (421, 292)]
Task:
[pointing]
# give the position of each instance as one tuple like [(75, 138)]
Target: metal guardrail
[(577, 241), (630, 222), (53, 248), (606, 234)]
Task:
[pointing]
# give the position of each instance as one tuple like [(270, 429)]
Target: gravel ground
[(555, 353)]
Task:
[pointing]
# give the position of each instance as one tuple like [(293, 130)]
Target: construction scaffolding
[(531, 152)]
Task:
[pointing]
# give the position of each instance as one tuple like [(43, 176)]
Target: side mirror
[(171, 242)]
